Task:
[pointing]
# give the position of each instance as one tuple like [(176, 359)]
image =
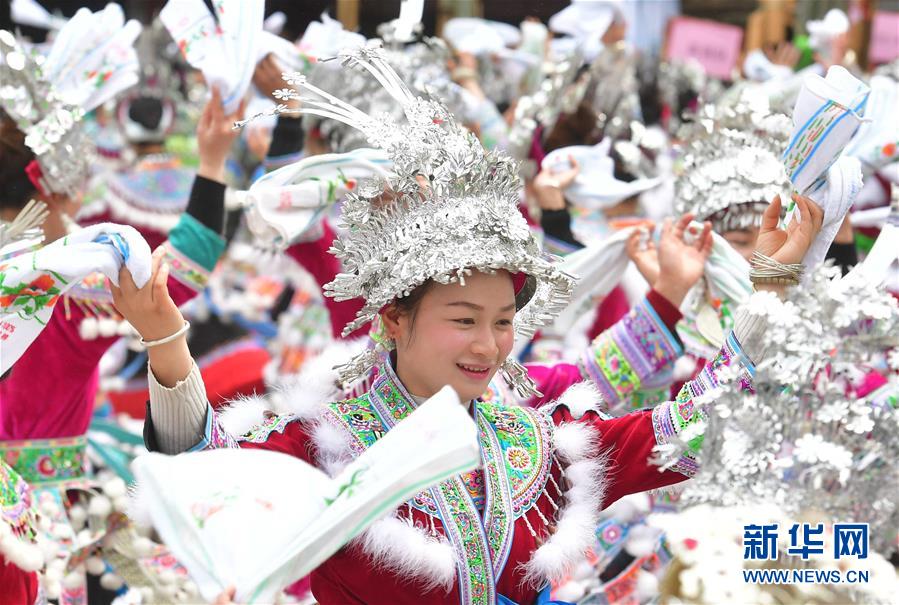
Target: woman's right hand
[(150, 309), (155, 315)]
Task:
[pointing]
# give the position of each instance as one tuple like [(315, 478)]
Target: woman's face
[(458, 336)]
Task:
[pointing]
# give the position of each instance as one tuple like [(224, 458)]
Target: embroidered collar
[(516, 446)]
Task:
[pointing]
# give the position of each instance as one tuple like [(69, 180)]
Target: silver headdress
[(614, 89), (421, 65), (449, 208), (732, 163), (91, 60), (62, 150)]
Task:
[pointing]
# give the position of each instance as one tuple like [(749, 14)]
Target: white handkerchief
[(600, 266), (876, 143), (883, 255), (30, 12), (827, 114), (93, 58), (260, 520), (479, 36), (223, 46), (286, 203), (31, 284), (595, 186), (324, 39)]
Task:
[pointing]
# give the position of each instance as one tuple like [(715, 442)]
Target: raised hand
[(681, 264), (150, 309), (788, 246), (548, 186), (644, 254), (215, 135), (155, 316)]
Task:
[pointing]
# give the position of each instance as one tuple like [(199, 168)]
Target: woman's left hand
[(788, 246)]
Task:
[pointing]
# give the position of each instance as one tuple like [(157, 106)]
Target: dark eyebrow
[(474, 307)]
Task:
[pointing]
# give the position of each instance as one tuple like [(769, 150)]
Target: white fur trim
[(303, 396), (579, 398), (332, 445), (243, 414), (317, 383), (576, 522), (573, 442), (396, 545)]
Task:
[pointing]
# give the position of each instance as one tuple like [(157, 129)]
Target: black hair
[(578, 128), (146, 111), (408, 305), (15, 185)]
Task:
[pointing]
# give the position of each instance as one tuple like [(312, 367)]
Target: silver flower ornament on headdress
[(448, 208)]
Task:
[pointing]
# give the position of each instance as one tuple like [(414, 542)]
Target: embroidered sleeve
[(627, 441), (214, 436), (674, 417), (192, 251), (626, 356)]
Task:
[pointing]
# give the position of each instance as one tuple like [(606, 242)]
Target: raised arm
[(630, 439)]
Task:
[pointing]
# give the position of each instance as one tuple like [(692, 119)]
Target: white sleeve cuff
[(179, 412)]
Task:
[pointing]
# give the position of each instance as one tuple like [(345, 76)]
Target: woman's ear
[(392, 319)]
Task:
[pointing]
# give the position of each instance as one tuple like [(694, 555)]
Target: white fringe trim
[(578, 445), (123, 210)]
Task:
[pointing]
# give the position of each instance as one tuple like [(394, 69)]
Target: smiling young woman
[(453, 273)]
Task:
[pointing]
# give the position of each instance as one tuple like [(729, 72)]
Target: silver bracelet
[(155, 343), (766, 270)]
